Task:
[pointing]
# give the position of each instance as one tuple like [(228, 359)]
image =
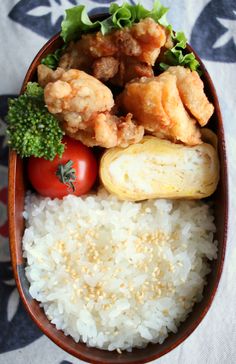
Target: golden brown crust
[(135, 49), (191, 89), (83, 106), (156, 104)]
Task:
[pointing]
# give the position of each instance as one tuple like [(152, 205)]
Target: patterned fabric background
[(211, 28)]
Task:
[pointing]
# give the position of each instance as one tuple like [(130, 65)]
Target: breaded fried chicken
[(128, 53), (83, 105), (191, 89), (168, 105)]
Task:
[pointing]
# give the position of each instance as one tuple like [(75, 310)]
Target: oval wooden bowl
[(17, 189)]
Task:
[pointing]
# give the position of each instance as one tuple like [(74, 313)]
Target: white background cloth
[(214, 341)]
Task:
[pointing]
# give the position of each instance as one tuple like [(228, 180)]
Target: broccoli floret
[(32, 130), (33, 89)]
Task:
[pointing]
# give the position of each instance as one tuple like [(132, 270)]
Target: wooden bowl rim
[(14, 159)]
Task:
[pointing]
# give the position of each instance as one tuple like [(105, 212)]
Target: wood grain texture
[(17, 188)]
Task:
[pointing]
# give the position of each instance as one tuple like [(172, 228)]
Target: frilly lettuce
[(175, 56), (77, 20), (126, 15)]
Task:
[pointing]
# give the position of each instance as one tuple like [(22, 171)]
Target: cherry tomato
[(74, 173)]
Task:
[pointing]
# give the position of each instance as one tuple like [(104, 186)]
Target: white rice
[(116, 274)]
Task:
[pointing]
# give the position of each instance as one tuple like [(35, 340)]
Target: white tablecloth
[(211, 28)]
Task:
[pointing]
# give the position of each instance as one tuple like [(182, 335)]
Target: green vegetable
[(32, 130), (175, 56), (34, 90), (52, 59), (77, 20), (66, 174), (126, 15)]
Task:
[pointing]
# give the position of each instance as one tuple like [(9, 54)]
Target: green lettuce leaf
[(122, 16), (159, 13), (175, 56), (126, 14), (77, 20)]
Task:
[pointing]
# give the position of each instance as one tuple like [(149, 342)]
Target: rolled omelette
[(158, 168)]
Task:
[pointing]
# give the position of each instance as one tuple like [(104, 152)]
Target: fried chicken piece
[(151, 37), (191, 89), (143, 98), (120, 72), (129, 132), (105, 68), (46, 74), (83, 106), (156, 104), (76, 57), (105, 129), (99, 45), (169, 41), (127, 44), (84, 136), (141, 43), (81, 54), (76, 97), (129, 69), (182, 127), (109, 131)]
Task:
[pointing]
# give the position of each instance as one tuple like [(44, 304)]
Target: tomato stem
[(66, 174)]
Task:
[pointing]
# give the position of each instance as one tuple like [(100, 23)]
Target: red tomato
[(43, 173)]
